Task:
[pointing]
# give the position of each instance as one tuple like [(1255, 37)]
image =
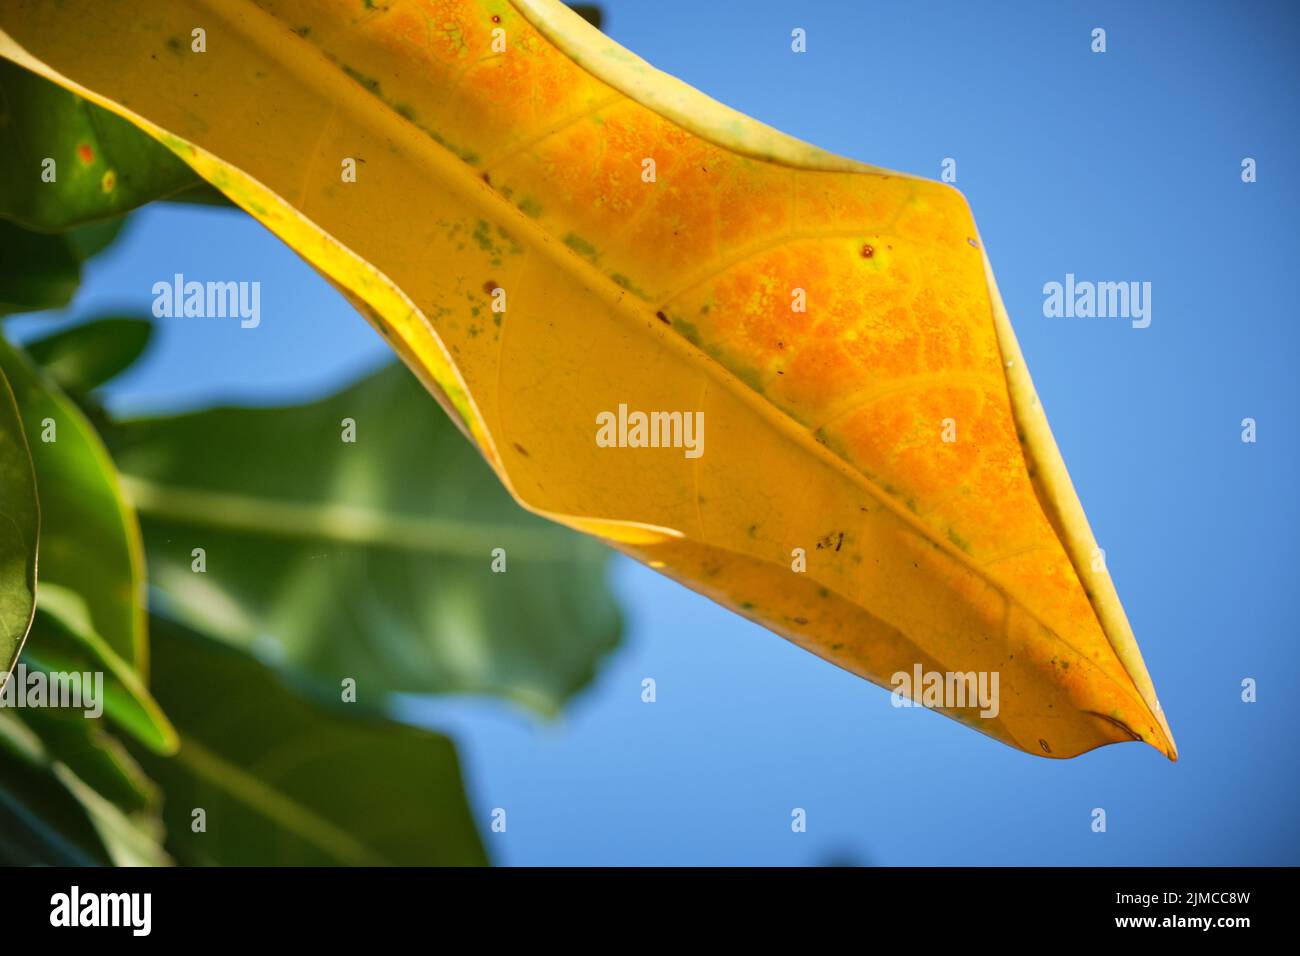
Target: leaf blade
[(37, 271), (66, 642), (19, 532), (349, 559), (286, 781), (669, 298), (90, 540), (85, 356)]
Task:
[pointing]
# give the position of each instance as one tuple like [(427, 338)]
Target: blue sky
[(1116, 166)]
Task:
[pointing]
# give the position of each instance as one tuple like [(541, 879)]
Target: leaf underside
[(522, 169)]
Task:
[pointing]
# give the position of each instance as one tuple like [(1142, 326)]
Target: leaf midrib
[(344, 524)]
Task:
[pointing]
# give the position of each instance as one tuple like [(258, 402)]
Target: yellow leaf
[(655, 250)]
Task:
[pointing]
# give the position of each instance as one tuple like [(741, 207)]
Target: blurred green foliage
[(246, 722), (369, 558)]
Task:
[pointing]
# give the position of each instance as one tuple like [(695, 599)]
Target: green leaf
[(102, 165), (37, 271), (96, 756), (64, 640), (41, 823), (69, 793), (85, 356), (130, 839), (41, 271), (90, 541), (372, 559), (283, 780), (19, 529), (50, 816), (94, 237)]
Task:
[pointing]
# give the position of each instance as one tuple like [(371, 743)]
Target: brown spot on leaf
[(833, 540)]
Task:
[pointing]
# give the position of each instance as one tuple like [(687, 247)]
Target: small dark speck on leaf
[(662, 318), (490, 286), (868, 251), (521, 449)]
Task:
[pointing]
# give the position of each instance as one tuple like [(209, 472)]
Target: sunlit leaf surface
[(660, 252)]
